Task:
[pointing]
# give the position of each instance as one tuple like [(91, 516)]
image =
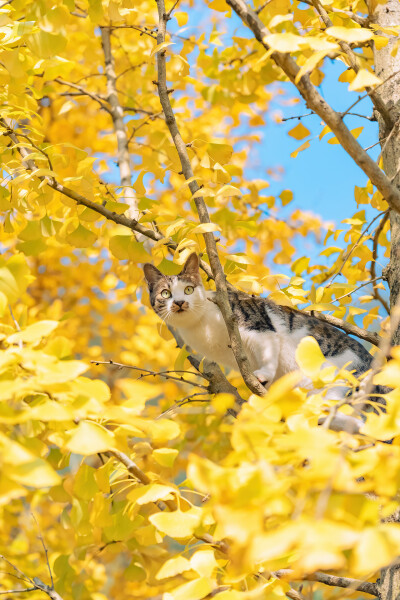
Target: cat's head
[(179, 300)]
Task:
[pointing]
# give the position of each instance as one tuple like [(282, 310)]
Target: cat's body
[(270, 333)]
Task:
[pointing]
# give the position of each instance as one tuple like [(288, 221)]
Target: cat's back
[(291, 325)]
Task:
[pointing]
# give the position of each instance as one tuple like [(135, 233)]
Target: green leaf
[(81, 237)]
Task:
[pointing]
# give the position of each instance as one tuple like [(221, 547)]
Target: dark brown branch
[(316, 103), (220, 281)]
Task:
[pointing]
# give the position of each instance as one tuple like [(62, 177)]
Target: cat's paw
[(263, 376)]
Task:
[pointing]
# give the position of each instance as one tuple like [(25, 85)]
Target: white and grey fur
[(270, 333)]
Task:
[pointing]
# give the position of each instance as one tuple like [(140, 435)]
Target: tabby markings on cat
[(270, 333)]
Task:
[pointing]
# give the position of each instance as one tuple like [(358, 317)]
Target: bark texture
[(388, 14)]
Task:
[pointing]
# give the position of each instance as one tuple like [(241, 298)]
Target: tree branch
[(316, 103), (85, 92), (377, 101), (331, 580), (363, 334), (165, 374), (220, 281), (117, 115)]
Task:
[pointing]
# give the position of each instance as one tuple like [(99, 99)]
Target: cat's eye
[(189, 289), (166, 294)]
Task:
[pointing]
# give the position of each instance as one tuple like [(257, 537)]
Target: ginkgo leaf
[(206, 228), (160, 47), (285, 42), (309, 356), (165, 456), (204, 562), (176, 524), (195, 590), (350, 34), (173, 566), (34, 332), (89, 438), (151, 493), (299, 132), (181, 17), (81, 237), (364, 79)]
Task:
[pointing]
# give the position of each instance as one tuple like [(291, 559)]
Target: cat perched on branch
[(270, 332)]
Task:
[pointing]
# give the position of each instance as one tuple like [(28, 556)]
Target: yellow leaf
[(286, 196), (181, 17), (138, 186), (173, 566), (220, 153), (350, 34), (33, 333), (364, 79), (300, 149), (206, 228), (36, 474), (151, 493), (52, 411), (228, 190), (285, 42), (165, 456), (193, 590), (160, 47), (309, 356), (204, 563), (89, 438), (177, 524), (299, 132)]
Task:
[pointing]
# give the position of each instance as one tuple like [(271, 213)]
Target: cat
[(270, 333)]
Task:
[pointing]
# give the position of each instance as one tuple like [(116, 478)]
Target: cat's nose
[(179, 303)]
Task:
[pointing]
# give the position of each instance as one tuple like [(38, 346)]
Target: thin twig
[(299, 117), (376, 143), (85, 92), (354, 246), (372, 281), (40, 536), (154, 373), (346, 112)]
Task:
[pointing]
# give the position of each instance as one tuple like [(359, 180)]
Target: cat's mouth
[(180, 308)]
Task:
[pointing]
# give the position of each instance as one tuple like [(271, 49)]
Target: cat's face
[(179, 300)]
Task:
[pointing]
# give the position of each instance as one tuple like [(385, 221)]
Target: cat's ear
[(152, 274), (191, 266)]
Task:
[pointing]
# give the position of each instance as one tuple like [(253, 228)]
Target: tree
[(124, 140)]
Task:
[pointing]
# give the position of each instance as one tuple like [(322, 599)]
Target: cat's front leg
[(267, 353)]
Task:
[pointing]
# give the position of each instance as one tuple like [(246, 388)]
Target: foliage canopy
[(194, 503)]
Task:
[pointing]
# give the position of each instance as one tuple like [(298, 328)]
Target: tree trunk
[(387, 14)]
